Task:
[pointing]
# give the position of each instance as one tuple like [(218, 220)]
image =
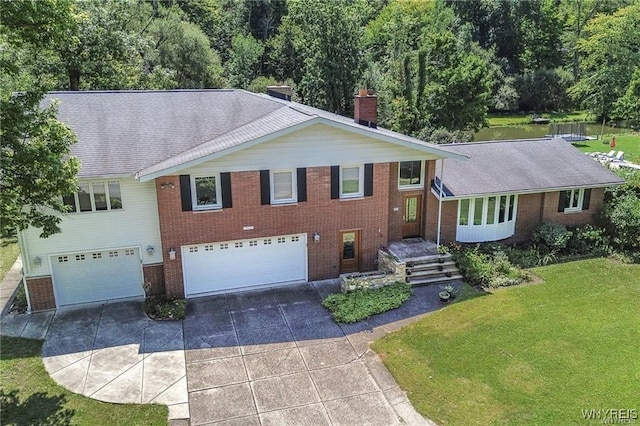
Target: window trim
[(294, 186), (569, 198), (194, 196), (412, 186), (90, 184), (510, 212), (360, 193)]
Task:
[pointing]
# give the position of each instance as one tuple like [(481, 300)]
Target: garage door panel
[(96, 276), (244, 263)]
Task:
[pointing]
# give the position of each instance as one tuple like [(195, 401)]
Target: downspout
[(440, 203)]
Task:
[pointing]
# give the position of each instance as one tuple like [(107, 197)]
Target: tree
[(432, 77), (628, 106), (182, 51), (244, 60), (611, 53), (330, 34), (35, 167)]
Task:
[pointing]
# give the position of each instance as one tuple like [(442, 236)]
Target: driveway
[(270, 357)]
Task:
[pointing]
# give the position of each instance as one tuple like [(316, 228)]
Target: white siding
[(315, 146), (136, 225)]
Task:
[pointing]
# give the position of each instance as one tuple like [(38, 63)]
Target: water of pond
[(532, 131)]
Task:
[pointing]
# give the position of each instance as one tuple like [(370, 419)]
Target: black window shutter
[(335, 182), (265, 188), (562, 202), (185, 192), (302, 184), (368, 180), (225, 187), (586, 199)]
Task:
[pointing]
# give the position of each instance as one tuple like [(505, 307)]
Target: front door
[(349, 251), (411, 216)]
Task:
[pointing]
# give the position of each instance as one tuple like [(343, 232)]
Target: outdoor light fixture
[(37, 261), (150, 250), (172, 254), (316, 237), (167, 185)]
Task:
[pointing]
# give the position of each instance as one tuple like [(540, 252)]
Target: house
[(507, 188), (194, 192)]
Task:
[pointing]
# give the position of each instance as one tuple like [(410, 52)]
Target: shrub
[(489, 265), (161, 307), (552, 235), (589, 240), (474, 265), (621, 217), (361, 304), (20, 302)]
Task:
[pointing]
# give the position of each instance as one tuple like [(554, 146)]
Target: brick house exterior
[(209, 191)]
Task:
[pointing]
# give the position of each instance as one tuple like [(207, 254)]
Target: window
[(283, 187), (94, 196), (574, 200), (483, 211), (351, 181), (410, 174), (205, 192), (464, 212)]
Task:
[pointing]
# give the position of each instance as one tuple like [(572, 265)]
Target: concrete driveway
[(270, 357)]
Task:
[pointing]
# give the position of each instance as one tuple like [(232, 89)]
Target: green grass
[(629, 143), (500, 120), (30, 397), (9, 251), (534, 354)]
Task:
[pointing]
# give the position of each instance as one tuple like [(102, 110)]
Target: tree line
[(438, 66)]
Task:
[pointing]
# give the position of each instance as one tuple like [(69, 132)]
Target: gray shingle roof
[(147, 132), (522, 166)]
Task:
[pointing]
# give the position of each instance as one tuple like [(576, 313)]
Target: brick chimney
[(366, 108)]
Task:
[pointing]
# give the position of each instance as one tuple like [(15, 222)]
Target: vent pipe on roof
[(280, 92), (366, 108)]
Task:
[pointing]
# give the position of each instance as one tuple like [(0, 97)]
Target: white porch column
[(440, 202)]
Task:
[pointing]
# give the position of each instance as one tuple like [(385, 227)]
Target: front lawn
[(535, 354), (28, 395)]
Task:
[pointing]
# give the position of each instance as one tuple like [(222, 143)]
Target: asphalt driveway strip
[(267, 357)]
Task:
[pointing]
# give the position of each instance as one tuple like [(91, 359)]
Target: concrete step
[(447, 265), (426, 260), (434, 280)]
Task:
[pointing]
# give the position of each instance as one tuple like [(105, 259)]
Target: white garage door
[(244, 263), (96, 276)]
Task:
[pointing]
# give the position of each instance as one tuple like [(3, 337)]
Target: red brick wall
[(533, 209), (396, 201), (551, 214), (528, 217), (154, 274), (41, 293), (319, 214)]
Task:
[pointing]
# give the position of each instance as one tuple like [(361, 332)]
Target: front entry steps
[(433, 269), (417, 262)]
